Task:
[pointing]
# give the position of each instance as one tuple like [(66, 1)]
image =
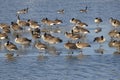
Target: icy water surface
[(59, 65)]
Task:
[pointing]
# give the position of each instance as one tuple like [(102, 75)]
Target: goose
[(73, 35), (40, 46), (74, 21), (35, 35), (14, 26), (82, 30), (51, 39), (82, 45), (23, 11), (3, 36), (70, 46), (22, 40), (21, 23), (114, 34), (114, 43), (10, 46), (99, 40), (4, 25), (114, 22), (82, 24), (98, 20), (6, 30), (33, 24), (98, 29), (61, 11), (58, 21), (84, 10), (48, 22)]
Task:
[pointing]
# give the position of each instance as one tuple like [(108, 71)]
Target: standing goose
[(70, 46), (10, 46), (40, 46), (22, 11), (82, 45)]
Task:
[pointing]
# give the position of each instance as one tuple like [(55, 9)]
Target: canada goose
[(70, 46), (114, 43), (114, 34), (33, 24), (4, 25), (22, 40), (51, 39), (48, 22), (14, 26), (10, 46), (61, 11), (6, 30), (74, 21), (22, 11), (21, 23), (84, 10), (98, 20), (58, 21), (81, 24), (98, 29), (35, 35), (82, 30), (115, 22), (82, 45), (37, 31), (72, 35), (99, 40), (40, 46), (3, 36)]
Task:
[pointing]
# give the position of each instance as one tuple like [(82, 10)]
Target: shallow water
[(30, 66)]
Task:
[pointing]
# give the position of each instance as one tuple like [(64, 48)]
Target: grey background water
[(95, 66)]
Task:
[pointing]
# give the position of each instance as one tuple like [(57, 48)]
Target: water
[(92, 66)]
